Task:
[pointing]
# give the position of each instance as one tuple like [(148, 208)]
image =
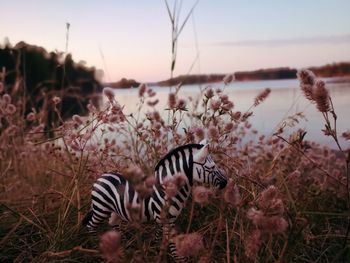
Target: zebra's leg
[(158, 234), (97, 216), (167, 233), (117, 224)]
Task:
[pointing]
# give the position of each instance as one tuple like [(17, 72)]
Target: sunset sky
[(134, 37)]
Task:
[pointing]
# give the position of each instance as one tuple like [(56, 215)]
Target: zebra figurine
[(113, 195)]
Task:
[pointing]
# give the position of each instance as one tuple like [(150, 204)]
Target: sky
[(132, 38)]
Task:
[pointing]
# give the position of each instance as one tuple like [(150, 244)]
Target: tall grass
[(287, 200)]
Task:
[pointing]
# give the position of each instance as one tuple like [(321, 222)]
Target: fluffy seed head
[(110, 246), (142, 89), (307, 80), (56, 100), (321, 96), (201, 194), (108, 92), (262, 96), (189, 244)]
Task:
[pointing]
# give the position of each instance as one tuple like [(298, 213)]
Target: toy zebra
[(113, 195)]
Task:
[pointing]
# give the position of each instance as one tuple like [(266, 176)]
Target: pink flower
[(256, 216), (213, 133), (153, 103), (110, 246), (232, 195), (227, 106), (181, 104), (11, 109), (109, 93), (215, 105), (6, 98), (267, 195), (209, 93), (229, 126), (1, 87), (77, 119), (142, 89), (189, 244), (228, 79), (172, 101), (30, 116), (201, 194), (253, 244), (199, 133), (56, 100), (151, 93)]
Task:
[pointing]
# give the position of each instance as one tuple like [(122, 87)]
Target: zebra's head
[(205, 170)]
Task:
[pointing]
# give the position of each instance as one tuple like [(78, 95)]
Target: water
[(284, 100)]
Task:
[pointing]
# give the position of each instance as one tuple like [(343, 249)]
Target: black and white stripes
[(113, 194)]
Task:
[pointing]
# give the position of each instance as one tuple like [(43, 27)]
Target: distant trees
[(37, 75)]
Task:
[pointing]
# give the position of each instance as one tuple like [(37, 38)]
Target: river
[(284, 100)]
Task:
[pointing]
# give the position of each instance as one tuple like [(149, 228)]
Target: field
[(287, 200)]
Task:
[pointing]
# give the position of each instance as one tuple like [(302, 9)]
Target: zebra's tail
[(87, 218)]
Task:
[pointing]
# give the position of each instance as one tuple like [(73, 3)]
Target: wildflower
[(199, 133), (77, 119), (108, 92), (256, 216), (181, 104), (236, 116), (229, 127), (173, 184), (321, 96), (11, 130), (268, 196), (215, 105), (253, 244), (201, 194), (91, 108), (110, 246), (247, 115), (6, 98), (262, 96), (179, 179), (153, 103), (307, 81), (1, 87), (189, 244), (170, 188), (134, 173), (228, 79), (56, 100), (227, 106), (172, 101), (156, 116), (213, 133), (151, 93), (274, 225), (142, 89), (232, 195), (30, 116), (224, 99), (209, 93), (11, 109)]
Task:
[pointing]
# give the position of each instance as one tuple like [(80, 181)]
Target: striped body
[(113, 194)]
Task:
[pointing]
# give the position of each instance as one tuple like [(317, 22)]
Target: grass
[(287, 200)]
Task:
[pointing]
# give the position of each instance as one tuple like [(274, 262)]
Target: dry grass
[(287, 200)]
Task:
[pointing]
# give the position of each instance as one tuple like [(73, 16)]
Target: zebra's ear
[(202, 154), (204, 141)]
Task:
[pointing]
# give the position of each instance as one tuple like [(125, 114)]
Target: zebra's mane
[(176, 150)]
